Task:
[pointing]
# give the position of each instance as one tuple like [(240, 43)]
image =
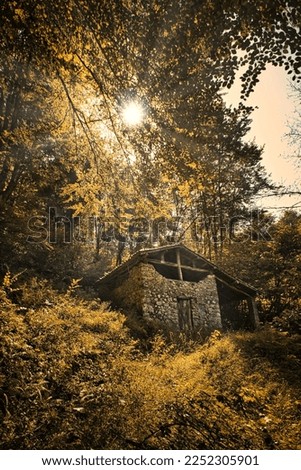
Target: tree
[(215, 185), (294, 133), (171, 60), (266, 254)]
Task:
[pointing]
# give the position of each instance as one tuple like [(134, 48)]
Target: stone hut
[(181, 289)]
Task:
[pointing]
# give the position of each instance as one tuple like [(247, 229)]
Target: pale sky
[(276, 106)]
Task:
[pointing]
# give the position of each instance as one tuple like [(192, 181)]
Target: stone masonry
[(155, 297)]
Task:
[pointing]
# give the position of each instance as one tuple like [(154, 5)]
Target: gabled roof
[(177, 262)]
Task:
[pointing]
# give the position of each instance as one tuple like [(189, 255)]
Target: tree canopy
[(188, 155)]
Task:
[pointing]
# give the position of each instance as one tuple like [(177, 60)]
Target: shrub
[(72, 377)]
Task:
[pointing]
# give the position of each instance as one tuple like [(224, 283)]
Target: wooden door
[(185, 313)]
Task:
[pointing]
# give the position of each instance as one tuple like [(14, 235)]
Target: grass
[(73, 377)]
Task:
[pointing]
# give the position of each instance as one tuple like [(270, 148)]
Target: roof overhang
[(183, 263)]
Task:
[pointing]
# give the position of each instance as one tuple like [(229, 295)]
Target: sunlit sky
[(276, 107), (132, 113)]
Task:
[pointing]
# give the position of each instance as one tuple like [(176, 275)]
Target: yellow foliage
[(72, 369)]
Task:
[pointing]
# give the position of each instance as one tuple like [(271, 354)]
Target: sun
[(133, 113)]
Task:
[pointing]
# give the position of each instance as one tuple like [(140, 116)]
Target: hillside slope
[(73, 377)]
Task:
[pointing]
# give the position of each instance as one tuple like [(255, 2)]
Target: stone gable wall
[(130, 293), (155, 297)]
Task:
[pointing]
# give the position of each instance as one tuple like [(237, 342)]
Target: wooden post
[(253, 312), (179, 265)]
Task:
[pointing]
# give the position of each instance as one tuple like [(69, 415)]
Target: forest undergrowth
[(73, 376)]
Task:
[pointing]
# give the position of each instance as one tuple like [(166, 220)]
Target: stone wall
[(130, 293), (156, 297)]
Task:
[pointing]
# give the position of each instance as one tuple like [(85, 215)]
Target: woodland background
[(73, 372)]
